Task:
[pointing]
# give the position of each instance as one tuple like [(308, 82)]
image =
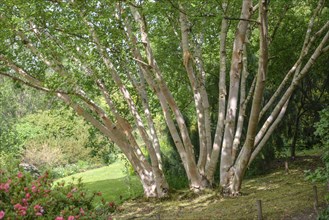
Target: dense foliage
[(15, 102)]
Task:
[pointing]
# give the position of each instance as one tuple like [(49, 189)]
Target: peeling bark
[(195, 85), (232, 100)]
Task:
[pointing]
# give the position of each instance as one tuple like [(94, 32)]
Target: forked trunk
[(227, 161), (235, 174)]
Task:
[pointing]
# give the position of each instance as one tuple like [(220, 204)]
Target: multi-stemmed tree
[(106, 60)]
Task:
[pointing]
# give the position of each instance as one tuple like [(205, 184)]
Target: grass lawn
[(111, 181), (283, 195)]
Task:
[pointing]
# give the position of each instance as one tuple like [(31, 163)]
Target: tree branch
[(241, 19)]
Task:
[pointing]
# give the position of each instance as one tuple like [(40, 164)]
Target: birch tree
[(102, 59)]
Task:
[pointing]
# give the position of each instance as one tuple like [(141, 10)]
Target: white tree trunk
[(211, 165), (232, 102), (196, 87), (241, 164)]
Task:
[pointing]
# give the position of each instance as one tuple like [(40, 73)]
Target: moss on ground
[(283, 196)]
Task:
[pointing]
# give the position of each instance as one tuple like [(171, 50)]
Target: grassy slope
[(111, 181), (283, 196)]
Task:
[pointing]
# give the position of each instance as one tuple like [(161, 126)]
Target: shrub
[(7, 159), (58, 137), (43, 155), (23, 197), (58, 132), (322, 173)]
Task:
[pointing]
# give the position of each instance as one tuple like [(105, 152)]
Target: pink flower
[(5, 186), (34, 188), (82, 212), (22, 212), (111, 204), (20, 209), (2, 214), (59, 218), (37, 207), (19, 175), (38, 210), (70, 217), (27, 195), (17, 206), (69, 195)]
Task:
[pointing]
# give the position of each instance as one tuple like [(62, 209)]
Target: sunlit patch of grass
[(111, 180), (112, 171)]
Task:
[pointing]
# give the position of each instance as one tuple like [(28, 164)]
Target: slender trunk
[(240, 166), (195, 84), (232, 102), (295, 137), (211, 165), (155, 153), (243, 102), (204, 96), (258, 148)]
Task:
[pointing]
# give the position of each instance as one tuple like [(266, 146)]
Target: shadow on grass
[(283, 196)]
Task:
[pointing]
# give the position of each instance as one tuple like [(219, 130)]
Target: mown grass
[(283, 195), (111, 180)]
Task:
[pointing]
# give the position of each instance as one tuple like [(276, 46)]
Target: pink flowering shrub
[(22, 197)]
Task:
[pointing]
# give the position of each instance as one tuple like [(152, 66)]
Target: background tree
[(13, 99)]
